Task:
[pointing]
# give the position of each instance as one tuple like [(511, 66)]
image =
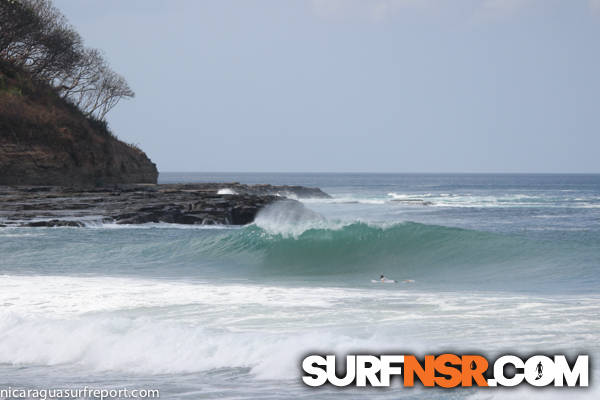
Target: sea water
[(495, 264)]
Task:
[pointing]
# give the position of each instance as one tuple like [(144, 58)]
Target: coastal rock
[(193, 204), (54, 223)]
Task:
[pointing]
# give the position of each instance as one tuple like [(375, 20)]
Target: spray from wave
[(226, 191), (289, 219)]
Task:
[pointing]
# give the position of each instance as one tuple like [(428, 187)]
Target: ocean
[(485, 263)]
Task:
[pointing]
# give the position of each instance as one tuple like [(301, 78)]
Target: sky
[(354, 85)]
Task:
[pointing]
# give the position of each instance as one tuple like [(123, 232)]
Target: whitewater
[(487, 264)]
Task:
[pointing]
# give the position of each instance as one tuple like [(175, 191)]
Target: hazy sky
[(355, 85)]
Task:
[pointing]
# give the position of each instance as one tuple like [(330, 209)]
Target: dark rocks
[(210, 209), (55, 223), (194, 204), (300, 192)]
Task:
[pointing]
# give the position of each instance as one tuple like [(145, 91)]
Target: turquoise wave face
[(430, 254), (319, 251)]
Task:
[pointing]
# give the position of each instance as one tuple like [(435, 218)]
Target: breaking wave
[(291, 242), (288, 239)]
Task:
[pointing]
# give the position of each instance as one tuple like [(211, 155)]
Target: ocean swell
[(289, 242)]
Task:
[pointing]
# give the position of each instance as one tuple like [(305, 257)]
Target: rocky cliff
[(44, 140)]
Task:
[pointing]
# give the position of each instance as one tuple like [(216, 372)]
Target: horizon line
[(376, 172)]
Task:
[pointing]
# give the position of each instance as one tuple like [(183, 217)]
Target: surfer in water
[(382, 278)]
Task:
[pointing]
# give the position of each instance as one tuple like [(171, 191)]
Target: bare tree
[(93, 86), (83, 78), (17, 26), (34, 35), (113, 89)]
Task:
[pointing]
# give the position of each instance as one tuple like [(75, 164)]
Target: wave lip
[(289, 218)]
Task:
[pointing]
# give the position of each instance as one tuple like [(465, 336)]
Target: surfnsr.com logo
[(446, 370)]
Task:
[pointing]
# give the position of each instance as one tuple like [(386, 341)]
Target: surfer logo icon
[(539, 370)]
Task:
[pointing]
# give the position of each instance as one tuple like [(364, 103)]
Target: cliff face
[(47, 141)]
